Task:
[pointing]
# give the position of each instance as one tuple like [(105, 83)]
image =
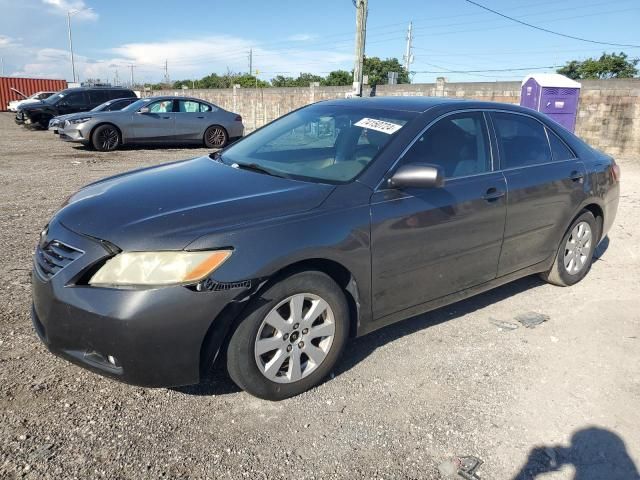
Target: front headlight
[(76, 121), (158, 268)]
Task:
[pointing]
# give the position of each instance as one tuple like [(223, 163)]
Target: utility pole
[(71, 13), (117, 80), (166, 73), (408, 56), (73, 65), (131, 67), (251, 61), (361, 34), (1, 67)]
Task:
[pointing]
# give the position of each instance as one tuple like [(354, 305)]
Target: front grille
[(53, 257)]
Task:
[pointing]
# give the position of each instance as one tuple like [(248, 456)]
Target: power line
[(547, 30), (491, 69)]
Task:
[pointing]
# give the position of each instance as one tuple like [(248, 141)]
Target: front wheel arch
[(222, 327), (106, 123)]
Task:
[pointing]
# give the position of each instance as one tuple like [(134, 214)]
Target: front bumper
[(146, 337), (73, 133)]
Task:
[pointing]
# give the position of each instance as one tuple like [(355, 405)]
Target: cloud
[(195, 57), (64, 6), (190, 58), (8, 42), (302, 37)]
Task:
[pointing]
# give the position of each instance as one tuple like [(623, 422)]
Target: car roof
[(175, 97), (419, 104), (84, 89)]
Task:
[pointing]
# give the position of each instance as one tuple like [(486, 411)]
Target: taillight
[(615, 172), (238, 118)]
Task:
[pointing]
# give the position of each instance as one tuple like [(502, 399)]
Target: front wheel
[(575, 254), (291, 338), (105, 138), (215, 137)]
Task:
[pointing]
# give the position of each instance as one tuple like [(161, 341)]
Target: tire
[(571, 265), (215, 137), (262, 359), (105, 138)]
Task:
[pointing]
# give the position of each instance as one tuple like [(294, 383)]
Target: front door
[(155, 125), (427, 243), (545, 183)]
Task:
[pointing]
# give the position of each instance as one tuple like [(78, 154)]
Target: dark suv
[(67, 101)]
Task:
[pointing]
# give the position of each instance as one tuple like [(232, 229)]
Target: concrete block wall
[(608, 116)]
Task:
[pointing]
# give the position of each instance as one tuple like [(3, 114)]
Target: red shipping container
[(28, 86)]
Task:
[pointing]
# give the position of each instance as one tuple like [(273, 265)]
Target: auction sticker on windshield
[(378, 125)]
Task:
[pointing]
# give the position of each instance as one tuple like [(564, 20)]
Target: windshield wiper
[(217, 156), (254, 167)]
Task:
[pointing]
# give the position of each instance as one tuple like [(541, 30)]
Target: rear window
[(559, 149)]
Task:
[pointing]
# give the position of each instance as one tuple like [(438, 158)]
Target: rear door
[(97, 97), (545, 183), (191, 119), (156, 125), (430, 242)]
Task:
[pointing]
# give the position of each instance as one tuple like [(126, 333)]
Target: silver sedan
[(157, 120)]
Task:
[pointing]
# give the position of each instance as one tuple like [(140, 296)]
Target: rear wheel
[(215, 137), (292, 337), (105, 138), (575, 254)]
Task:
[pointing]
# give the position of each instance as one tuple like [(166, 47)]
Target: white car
[(36, 97)]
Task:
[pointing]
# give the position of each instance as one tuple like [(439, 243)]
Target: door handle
[(166, 118), (493, 194), (576, 176), (199, 117)]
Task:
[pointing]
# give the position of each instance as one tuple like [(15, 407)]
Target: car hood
[(169, 206)]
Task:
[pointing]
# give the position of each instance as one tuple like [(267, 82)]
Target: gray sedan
[(157, 120)]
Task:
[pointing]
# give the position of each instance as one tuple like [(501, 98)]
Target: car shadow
[(601, 249), (360, 348), (124, 148), (595, 453), (219, 383)]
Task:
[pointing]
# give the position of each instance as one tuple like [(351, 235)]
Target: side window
[(76, 99), (559, 149), (163, 106), (458, 143), (522, 140), (188, 106), (97, 97), (205, 108)]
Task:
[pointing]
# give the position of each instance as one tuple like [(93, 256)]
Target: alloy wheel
[(294, 338), (108, 138), (216, 137), (577, 248)]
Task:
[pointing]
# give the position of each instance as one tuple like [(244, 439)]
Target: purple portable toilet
[(553, 94)]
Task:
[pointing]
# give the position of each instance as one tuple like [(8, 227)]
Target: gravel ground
[(561, 397)]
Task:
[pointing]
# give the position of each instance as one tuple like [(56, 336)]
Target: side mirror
[(144, 110), (417, 175)]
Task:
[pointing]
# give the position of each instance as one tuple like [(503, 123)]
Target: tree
[(338, 78), (607, 66), (378, 70), (281, 81)]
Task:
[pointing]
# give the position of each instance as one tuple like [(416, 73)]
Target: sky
[(452, 38)]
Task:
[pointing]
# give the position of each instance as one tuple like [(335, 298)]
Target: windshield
[(54, 98), (321, 142), (101, 107), (137, 104)]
